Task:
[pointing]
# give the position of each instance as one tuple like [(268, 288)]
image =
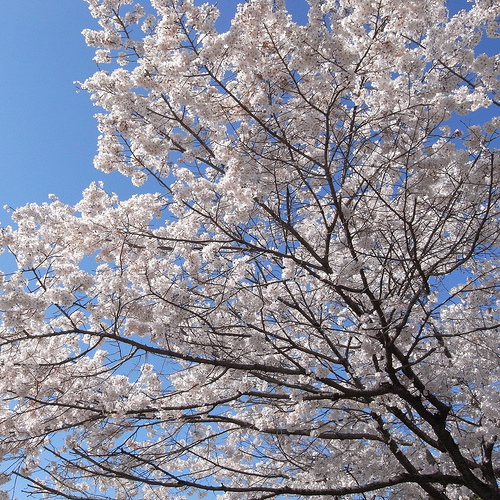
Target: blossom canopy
[(311, 292)]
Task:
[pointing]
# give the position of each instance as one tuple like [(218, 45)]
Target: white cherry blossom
[(308, 306)]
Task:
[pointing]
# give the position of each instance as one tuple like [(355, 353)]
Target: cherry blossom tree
[(309, 305)]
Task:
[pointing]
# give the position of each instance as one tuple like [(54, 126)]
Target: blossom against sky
[(48, 135), (39, 123)]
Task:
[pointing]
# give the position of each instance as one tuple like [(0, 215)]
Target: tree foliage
[(309, 305)]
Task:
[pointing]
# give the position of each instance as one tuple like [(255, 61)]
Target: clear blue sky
[(47, 131), (48, 134)]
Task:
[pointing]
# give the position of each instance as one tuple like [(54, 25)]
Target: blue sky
[(47, 130)]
